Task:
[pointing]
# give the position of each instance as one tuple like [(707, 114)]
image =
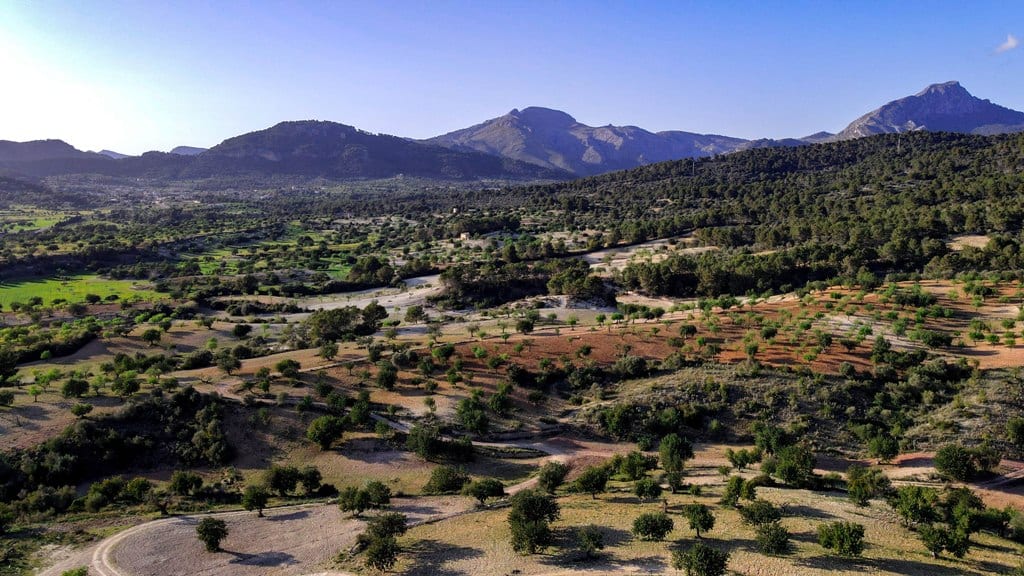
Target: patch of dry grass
[(479, 543)]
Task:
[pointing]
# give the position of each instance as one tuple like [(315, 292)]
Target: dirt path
[(290, 541)]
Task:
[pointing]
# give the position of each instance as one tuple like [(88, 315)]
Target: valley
[(284, 356)]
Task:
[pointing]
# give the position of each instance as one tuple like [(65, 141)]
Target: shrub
[(528, 519), (445, 480), (354, 500), (652, 526), (483, 489), (593, 481), (845, 538), (552, 475), (915, 504), (760, 512), (325, 430), (701, 560), (288, 368), (184, 483), (282, 479), (387, 525), (379, 494), (382, 553), (939, 538), (795, 466), (956, 462), (590, 540), (863, 484), (387, 374), (211, 531), (772, 539), (647, 489), (635, 465)]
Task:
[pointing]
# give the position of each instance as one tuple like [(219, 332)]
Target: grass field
[(21, 219), (73, 289), (479, 543)]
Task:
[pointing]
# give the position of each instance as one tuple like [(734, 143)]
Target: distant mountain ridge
[(36, 150), (187, 150), (554, 139), (945, 107), (530, 144), (304, 148)]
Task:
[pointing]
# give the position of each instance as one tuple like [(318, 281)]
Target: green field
[(21, 219), (72, 289)]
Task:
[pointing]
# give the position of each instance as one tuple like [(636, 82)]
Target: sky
[(148, 75)]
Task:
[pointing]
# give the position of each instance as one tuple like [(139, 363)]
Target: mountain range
[(534, 143)]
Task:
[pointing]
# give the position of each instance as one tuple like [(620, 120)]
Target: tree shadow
[(430, 557), (416, 509), (262, 559), (500, 469), (629, 500), (801, 511), (894, 565), (31, 411), (297, 515)]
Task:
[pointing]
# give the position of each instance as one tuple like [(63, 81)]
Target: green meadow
[(73, 289)]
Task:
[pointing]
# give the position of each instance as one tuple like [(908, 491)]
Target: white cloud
[(1010, 44)]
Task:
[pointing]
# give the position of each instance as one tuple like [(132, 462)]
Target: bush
[(379, 494), (631, 367), (445, 480), (795, 466), (772, 539), (647, 489), (387, 525), (552, 475), (760, 512), (211, 531), (635, 465), (387, 375), (939, 538), (80, 571), (184, 483), (863, 484), (483, 489), (701, 560), (382, 553), (590, 540), (325, 430), (288, 368), (282, 479), (593, 481), (74, 388), (845, 538), (652, 526), (956, 462), (528, 519), (354, 500)]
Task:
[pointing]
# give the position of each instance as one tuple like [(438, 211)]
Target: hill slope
[(305, 149), (329, 149), (554, 139), (946, 107)]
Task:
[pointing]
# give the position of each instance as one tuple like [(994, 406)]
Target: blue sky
[(137, 76)]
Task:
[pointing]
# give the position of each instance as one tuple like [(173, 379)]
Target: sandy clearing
[(958, 243), (294, 540)]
